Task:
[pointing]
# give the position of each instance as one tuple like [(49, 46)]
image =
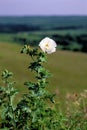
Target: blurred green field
[(69, 69)]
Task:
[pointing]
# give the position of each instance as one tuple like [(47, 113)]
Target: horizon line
[(63, 15)]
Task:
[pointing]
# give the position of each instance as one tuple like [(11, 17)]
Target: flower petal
[(48, 45)]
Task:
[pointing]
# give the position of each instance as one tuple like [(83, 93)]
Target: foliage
[(37, 109), (7, 94)]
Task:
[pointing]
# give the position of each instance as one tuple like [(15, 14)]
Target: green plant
[(36, 109), (7, 107)]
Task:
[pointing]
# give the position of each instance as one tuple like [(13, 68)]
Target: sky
[(43, 7)]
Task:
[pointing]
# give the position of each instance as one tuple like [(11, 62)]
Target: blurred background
[(63, 20), (28, 22)]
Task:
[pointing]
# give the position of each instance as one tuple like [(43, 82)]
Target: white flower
[(48, 45)]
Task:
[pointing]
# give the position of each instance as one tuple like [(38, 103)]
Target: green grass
[(69, 69)]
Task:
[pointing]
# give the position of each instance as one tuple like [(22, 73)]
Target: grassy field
[(69, 69)]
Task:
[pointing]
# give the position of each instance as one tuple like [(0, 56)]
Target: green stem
[(12, 111)]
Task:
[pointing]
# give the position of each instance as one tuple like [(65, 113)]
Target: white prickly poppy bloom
[(48, 45)]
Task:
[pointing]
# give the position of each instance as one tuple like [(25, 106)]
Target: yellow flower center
[(47, 45)]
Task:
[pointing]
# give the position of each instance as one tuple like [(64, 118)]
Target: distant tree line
[(65, 42), (14, 28), (68, 27), (70, 42)]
